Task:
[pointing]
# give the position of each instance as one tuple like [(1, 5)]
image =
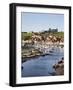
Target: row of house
[(48, 40)]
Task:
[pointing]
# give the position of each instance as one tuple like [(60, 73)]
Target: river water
[(42, 65)]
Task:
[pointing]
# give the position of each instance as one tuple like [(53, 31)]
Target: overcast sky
[(41, 21)]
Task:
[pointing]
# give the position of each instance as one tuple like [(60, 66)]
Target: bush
[(26, 36)]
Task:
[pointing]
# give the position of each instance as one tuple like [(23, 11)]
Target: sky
[(38, 22)]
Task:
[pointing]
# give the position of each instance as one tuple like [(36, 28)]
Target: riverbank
[(59, 67), (29, 53), (24, 59)]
